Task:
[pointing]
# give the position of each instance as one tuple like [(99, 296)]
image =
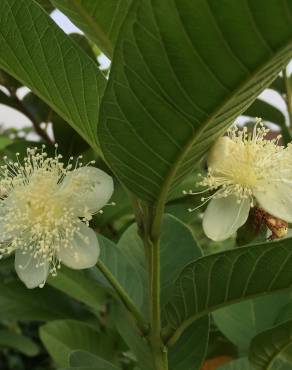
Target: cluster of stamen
[(37, 214), (252, 160)]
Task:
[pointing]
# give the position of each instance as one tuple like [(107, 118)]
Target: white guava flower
[(45, 207), (246, 169)]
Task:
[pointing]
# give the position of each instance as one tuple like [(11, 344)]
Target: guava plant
[(157, 230)]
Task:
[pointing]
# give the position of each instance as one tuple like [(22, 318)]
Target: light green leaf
[(4, 142), (19, 303), (270, 344), (131, 335), (122, 269), (35, 51), (100, 20), (87, 359), (80, 285), (182, 72), (189, 351), (242, 321), (177, 249), (240, 364), (228, 277), (62, 337), (18, 342)]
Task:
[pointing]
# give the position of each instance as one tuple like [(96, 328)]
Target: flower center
[(36, 212), (243, 163)]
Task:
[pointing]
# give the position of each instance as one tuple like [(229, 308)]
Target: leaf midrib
[(176, 333), (197, 135)]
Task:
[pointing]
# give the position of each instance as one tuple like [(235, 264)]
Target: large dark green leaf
[(183, 71), (100, 20), (35, 51), (228, 277), (270, 344)]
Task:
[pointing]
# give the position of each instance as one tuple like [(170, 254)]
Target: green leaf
[(62, 132), (18, 342), (121, 210), (131, 335), (189, 351), (86, 359), (266, 111), (89, 368), (100, 20), (19, 303), (122, 269), (182, 72), (4, 142), (35, 51), (8, 81), (46, 5), (270, 344), (7, 100), (242, 321), (36, 107), (80, 285), (228, 277), (177, 249), (240, 364), (84, 44), (279, 85), (62, 337)]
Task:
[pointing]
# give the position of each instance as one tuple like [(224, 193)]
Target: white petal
[(84, 251), (276, 199), (27, 270), (224, 216), (100, 183)]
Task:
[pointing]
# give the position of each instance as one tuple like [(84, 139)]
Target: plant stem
[(158, 348), (151, 239), (288, 95), (123, 295), (21, 107)]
